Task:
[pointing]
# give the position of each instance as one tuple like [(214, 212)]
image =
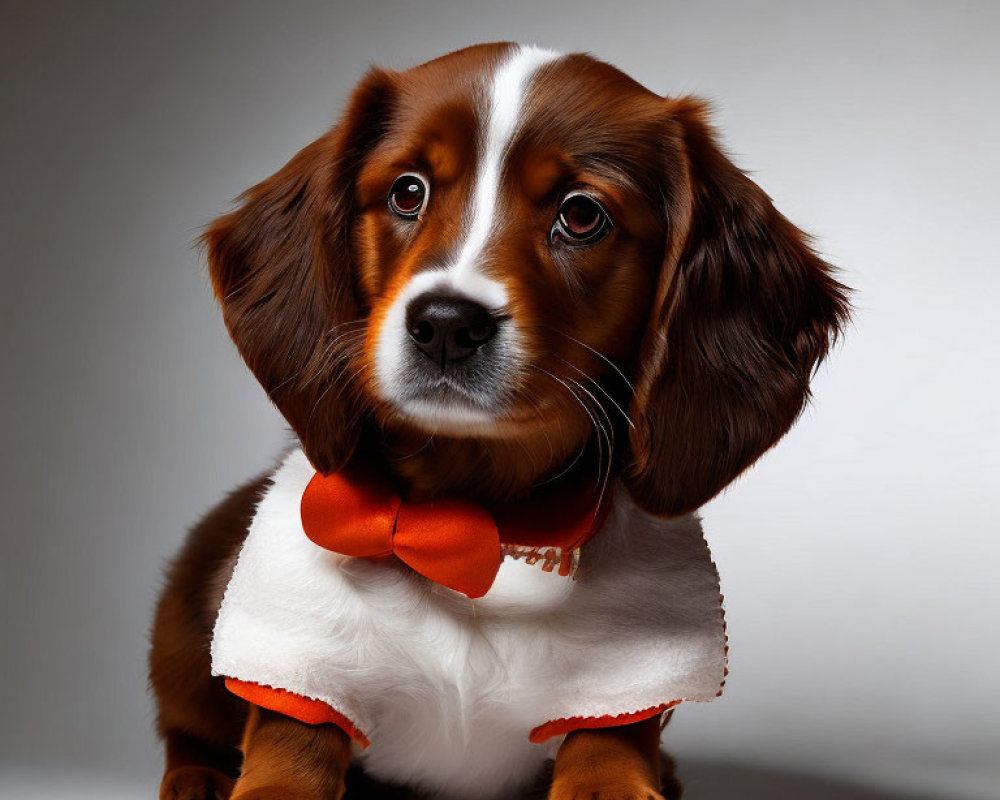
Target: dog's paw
[(619, 788), (195, 783)]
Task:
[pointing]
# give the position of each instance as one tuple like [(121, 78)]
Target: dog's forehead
[(520, 91)]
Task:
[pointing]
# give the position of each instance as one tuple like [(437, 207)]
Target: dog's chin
[(451, 416), (449, 410)]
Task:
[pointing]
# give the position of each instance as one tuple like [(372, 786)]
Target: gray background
[(858, 558)]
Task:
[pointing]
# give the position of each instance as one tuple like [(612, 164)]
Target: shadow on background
[(713, 781)]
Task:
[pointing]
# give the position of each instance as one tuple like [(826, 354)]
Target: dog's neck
[(484, 470)]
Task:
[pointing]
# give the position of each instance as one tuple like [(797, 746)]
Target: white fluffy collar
[(448, 689)]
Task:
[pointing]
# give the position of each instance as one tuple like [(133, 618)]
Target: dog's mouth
[(470, 396)]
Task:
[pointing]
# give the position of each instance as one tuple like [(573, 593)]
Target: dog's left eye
[(408, 196), (581, 220)]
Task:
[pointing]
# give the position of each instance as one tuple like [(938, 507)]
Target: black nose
[(448, 328)]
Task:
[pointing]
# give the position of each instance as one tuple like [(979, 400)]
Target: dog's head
[(508, 245)]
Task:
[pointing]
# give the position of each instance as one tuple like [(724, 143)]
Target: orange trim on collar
[(558, 727), (304, 709)]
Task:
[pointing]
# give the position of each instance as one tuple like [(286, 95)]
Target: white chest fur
[(446, 688)]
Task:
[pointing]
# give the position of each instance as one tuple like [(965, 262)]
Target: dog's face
[(501, 244), (510, 245)]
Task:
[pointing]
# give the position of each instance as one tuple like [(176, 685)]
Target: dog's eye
[(408, 196), (581, 220)]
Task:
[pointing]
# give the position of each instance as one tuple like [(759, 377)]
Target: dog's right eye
[(408, 196)]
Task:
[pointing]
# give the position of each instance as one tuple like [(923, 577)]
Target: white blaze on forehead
[(505, 93), (506, 98)]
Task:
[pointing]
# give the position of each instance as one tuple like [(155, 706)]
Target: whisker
[(538, 412), (597, 353), (598, 406), (416, 452), (603, 391), (346, 335), (342, 386), (527, 452), (566, 469), (609, 434), (321, 357), (598, 429)]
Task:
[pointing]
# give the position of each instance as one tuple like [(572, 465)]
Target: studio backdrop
[(858, 559)]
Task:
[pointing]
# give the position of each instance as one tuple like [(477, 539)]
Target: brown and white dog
[(503, 269)]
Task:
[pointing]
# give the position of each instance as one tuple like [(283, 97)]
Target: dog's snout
[(448, 328)]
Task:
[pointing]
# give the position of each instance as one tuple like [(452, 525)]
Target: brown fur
[(709, 301)]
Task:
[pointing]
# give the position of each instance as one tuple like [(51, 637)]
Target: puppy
[(525, 318)]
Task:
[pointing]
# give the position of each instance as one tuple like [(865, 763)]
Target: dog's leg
[(621, 763), (199, 721), (196, 770), (284, 759)]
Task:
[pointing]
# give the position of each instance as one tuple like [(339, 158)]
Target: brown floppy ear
[(745, 313), (281, 267)]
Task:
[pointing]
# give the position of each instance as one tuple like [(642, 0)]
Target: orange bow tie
[(451, 541)]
